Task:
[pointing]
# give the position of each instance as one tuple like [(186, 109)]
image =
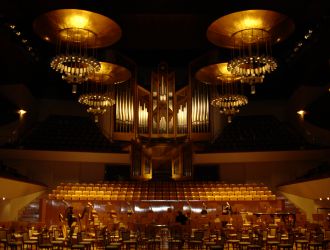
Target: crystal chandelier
[(97, 103), (98, 93), (77, 34), (74, 59), (250, 34), (228, 97), (252, 56), (226, 91)]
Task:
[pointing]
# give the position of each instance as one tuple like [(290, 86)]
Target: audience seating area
[(258, 133), (165, 190), (72, 133)]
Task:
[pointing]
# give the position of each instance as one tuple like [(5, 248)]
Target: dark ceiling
[(165, 30)]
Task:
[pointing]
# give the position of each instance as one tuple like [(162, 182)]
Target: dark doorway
[(161, 170)]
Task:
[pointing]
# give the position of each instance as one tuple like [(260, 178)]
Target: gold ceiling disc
[(211, 74), (111, 74), (50, 26), (277, 25)]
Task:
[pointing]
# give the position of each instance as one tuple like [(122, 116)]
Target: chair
[(127, 241), (176, 240), (316, 242), (288, 245), (28, 243), (257, 242), (220, 243), (14, 241), (196, 242), (57, 239), (301, 244), (111, 241), (153, 242), (44, 241), (83, 240), (273, 242), (3, 237)]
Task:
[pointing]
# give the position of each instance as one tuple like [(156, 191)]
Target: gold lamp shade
[(52, 26), (211, 74), (110, 73), (278, 26)]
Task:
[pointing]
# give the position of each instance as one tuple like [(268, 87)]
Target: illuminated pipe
[(202, 110), (207, 107), (125, 111), (121, 111), (194, 113), (139, 115), (199, 110)]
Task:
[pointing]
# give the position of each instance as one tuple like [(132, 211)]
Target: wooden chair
[(196, 242), (127, 241), (176, 240), (44, 241), (152, 239), (3, 237), (28, 243), (14, 241)]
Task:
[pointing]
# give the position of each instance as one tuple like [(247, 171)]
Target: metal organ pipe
[(200, 110), (124, 110)]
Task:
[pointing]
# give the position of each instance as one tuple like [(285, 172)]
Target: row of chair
[(169, 184), (153, 196), (161, 192)]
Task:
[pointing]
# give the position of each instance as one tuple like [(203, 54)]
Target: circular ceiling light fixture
[(250, 34), (77, 34)]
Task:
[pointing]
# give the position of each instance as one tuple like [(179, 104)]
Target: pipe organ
[(124, 109), (182, 111), (143, 110), (200, 109), (152, 118), (163, 101)]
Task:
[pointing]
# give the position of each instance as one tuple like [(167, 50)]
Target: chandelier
[(77, 34), (250, 34), (226, 90), (74, 60), (98, 93), (252, 56)]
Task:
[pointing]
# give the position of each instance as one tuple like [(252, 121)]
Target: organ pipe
[(124, 110), (200, 110), (143, 118), (182, 119)]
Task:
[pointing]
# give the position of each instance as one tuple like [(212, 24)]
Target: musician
[(181, 218), (227, 209)]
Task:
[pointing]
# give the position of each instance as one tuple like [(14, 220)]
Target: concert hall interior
[(165, 124)]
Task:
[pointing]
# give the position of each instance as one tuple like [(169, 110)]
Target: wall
[(277, 108), (270, 173), (9, 209), (302, 97), (60, 107), (306, 205), (52, 173), (19, 95)]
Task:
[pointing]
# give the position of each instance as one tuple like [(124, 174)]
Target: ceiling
[(165, 30)]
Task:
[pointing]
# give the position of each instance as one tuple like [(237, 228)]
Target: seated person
[(227, 209), (181, 218)]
